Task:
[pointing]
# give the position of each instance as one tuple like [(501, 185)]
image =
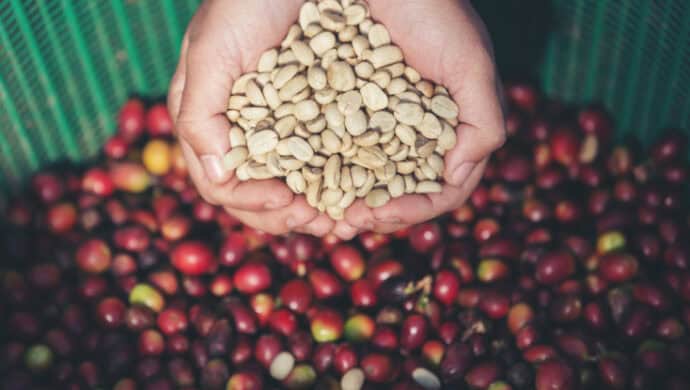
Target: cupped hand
[(446, 41), (224, 40)]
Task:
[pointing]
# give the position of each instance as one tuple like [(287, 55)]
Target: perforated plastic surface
[(65, 66)]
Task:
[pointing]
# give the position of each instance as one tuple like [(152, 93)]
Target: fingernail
[(291, 223), (461, 173), (213, 168), (270, 205)]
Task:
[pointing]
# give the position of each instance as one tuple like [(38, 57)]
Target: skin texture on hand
[(446, 41), (224, 40), (443, 39)]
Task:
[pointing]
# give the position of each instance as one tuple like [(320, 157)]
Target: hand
[(446, 41), (224, 40)]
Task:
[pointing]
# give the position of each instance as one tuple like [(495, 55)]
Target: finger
[(388, 228), (360, 216), (482, 128), (412, 209), (345, 231), (251, 196), (407, 209), (319, 227), (280, 221), (201, 120), (177, 82), (257, 195)]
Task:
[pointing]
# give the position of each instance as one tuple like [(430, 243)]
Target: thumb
[(201, 121)]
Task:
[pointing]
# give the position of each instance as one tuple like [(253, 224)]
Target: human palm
[(447, 43), (443, 39)]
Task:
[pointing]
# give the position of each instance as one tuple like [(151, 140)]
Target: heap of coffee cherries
[(568, 268), (337, 113)]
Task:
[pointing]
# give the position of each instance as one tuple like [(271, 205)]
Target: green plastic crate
[(66, 65)]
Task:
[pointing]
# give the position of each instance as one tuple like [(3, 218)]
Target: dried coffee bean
[(386, 173), (273, 164), (378, 35), (317, 161), (382, 78), (312, 174), (383, 121), (308, 14), (240, 85), (331, 172), (296, 182), (314, 142), (329, 58), (367, 186), (348, 198), (237, 102), (377, 198), (359, 176), (236, 137), (307, 110), (386, 55), (285, 126), (300, 149), (284, 110), (396, 86), (347, 34), (292, 88), (262, 142), (401, 154), (373, 97), (448, 138), (325, 96), (331, 141), (355, 14), (235, 157), (369, 138), (336, 213), (242, 172), (360, 44), (349, 103), (364, 70), (340, 76), (258, 171), (285, 74), (396, 186), (330, 4), (268, 61), (316, 77), (410, 184), (444, 107), (424, 147), (410, 114), (333, 20), (313, 191), (331, 197), (300, 96), (406, 167), (290, 164), (430, 126), (254, 94), (254, 113), (372, 157), (322, 42), (356, 123), (271, 95)]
